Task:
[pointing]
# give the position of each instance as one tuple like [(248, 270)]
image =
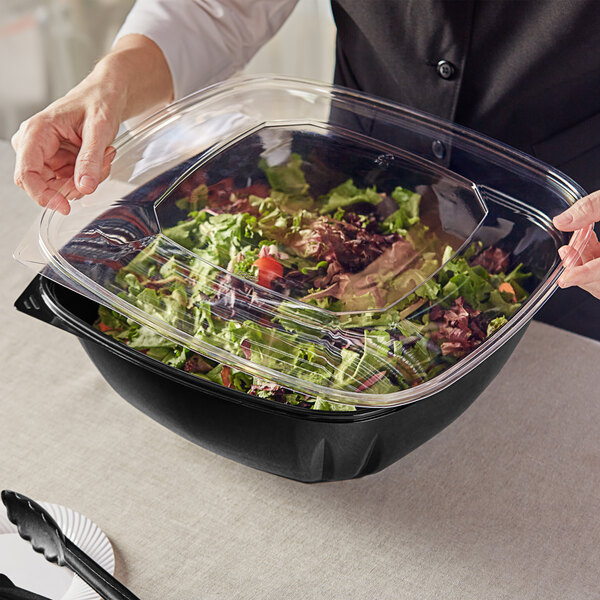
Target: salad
[(349, 289)]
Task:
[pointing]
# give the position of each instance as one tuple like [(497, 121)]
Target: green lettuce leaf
[(495, 324), (288, 178), (321, 404), (407, 214), (345, 195)]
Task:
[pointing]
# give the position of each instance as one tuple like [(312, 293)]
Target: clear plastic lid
[(313, 237)]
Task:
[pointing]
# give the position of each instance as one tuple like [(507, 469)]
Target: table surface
[(504, 503)]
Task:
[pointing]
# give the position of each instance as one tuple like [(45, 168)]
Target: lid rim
[(365, 399)]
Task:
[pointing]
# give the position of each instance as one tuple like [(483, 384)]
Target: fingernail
[(563, 219), (563, 251), (87, 184)]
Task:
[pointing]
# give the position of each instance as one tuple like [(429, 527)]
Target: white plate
[(30, 570)]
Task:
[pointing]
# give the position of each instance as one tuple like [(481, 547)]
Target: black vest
[(526, 72)]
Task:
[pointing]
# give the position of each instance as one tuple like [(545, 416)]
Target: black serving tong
[(35, 525), (9, 591)]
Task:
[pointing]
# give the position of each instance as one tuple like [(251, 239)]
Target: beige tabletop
[(504, 503)]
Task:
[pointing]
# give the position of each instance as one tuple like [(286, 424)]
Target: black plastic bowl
[(293, 442)]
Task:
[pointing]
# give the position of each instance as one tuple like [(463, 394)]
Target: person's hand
[(586, 272), (64, 152)]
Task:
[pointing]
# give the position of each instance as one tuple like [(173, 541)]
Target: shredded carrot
[(226, 376), (508, 289)]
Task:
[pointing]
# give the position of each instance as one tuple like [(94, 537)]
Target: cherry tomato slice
[(269, 268)]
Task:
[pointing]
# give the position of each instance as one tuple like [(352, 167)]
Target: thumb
[(584, 212), (96, 135)]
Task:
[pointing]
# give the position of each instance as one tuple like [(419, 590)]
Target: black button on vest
[(438, 149), (445, 69)]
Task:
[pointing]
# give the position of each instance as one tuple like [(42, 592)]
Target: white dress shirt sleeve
[(206, 40)]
